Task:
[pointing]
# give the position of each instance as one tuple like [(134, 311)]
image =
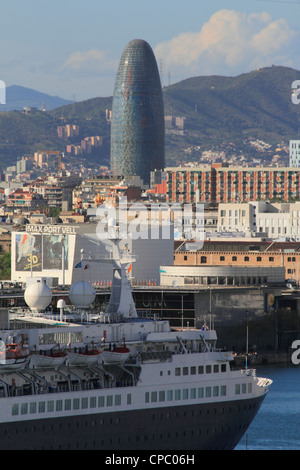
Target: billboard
[(40, 252)]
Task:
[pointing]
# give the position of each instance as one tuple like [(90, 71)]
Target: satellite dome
[(82, 294), (38, 296)]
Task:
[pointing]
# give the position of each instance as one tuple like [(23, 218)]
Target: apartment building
[(218, 184)]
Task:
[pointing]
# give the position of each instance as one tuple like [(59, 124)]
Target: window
[(153, 397), (50, 406), (32, 408), (185, 371), (42, 406), (170, 395), (185, 394), (118, 400), (84, 403), (76, 404), (15, 409), (258, 258), (200, 369), (208, 369), (203, 259), (24, 409), (177, 394), (222, 258), (59, 405), (216, 368), (109, 400), (223, 390), (207, 392), (271, 258), (234, 258), (246, 258), (177, 370), (100, 402), (161, 395), (67, 405), (237, 389), (93, 402)]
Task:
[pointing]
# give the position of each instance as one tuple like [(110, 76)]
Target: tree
[(5, 266)]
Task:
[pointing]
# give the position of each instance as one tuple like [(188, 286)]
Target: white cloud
[(230, 42), (94, 60)]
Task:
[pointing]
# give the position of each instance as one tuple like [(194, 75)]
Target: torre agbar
[(137, 124)]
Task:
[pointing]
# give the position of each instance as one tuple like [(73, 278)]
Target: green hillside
[(219, 111)]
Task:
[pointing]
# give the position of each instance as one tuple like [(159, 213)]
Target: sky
[(72, 48)]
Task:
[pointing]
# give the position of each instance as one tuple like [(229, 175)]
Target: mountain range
[(219, 111), (19, 97)]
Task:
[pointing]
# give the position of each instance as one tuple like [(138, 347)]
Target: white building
[(270, 220), (69, 253), (294, 154)]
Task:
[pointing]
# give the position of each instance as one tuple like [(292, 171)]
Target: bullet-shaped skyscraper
[(137, 124)]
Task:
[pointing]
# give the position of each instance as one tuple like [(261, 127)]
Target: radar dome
[(82, 294), (38, 296)]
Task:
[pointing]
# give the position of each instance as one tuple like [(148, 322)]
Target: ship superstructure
[(117, 381)]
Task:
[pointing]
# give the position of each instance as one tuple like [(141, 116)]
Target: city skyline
[(61, 49)]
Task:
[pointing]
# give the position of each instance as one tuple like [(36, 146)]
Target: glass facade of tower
[(137, 125)]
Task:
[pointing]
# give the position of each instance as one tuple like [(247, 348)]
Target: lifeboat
[(83, 357), (45, 359), (115, 356), (14, 356)]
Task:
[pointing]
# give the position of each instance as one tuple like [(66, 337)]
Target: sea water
[(277, 424)]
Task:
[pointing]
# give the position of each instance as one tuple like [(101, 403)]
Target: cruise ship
[(116, 381)]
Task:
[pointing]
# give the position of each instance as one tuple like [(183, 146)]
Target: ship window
[(200, 369), (200, 392), (67, 404), (208, 369), (93, 402), (15, 409), (32, 408), (50, 405), (129, 399), (223, 367), (223, 390), (84, 403), (216, 391), (118, 400), (193, 370), (109, 400), (59, 405), (177, 394), (237, 389), (76, 404), (161, 395), (249, 387), (177, 370), (147, 397), (42, 406), (244, 388), (207, 392), (24, 409), (153, 396), (193, 393), (185, 371), (185, 394), (216, 368), (169, 395), (100, 402)]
